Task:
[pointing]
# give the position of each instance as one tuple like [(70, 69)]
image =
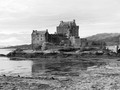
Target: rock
[(2, 55), (4, 75), (52, 78), (18, 75)]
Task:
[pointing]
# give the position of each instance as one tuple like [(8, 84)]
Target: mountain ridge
[(108, 38)]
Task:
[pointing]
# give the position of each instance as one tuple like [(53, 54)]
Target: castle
[(68, 28), (67, 33)]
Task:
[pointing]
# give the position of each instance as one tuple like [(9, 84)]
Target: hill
[(26, 46), (109, 38)]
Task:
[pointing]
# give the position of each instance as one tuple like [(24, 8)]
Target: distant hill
[(109, 38), (26, 46)]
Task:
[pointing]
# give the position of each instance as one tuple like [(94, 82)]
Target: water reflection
[(38, 68), (43, 67), (60, 68)]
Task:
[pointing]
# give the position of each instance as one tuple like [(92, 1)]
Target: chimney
[(46, 30), (61, 21), (73, 20)]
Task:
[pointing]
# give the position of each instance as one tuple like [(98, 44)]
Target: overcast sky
[(20, 17)]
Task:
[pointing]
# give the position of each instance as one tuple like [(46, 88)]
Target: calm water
[(40, 67)]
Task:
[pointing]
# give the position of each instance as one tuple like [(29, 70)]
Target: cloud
[(14, 39), (93, 16)]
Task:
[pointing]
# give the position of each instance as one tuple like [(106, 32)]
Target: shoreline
[(72, 57), (105, 77), (102, 76)]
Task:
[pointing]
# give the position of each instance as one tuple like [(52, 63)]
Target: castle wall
[(57, 38), (75, 42), (74, 31), (68, 28), (84, 42), (63, 30), (38, 38)]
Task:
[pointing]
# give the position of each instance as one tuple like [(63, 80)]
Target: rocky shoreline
[(104, 77), (29, 54)]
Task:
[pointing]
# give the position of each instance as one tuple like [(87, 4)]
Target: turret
[(61, 21), (74, 20)]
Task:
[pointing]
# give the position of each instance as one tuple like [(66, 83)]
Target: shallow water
[(41, 67)]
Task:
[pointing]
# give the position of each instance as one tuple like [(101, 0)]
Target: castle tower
[(38, 38), (68, 28)]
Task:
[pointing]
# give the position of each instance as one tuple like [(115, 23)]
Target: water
[(5, 51), (40, 67)]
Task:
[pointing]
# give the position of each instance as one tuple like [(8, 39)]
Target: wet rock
[(52, 78), (4, 75), (18, 75)]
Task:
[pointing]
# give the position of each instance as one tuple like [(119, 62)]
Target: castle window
[(41, 38)]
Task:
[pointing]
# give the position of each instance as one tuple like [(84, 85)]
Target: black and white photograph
[(59, 44)]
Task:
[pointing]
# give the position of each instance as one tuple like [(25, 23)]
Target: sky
[(19, 17)]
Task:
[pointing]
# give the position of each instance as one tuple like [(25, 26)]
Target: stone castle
[(67, 33), (68, 28)]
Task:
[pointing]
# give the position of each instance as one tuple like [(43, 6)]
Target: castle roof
[(40, 32), (69, 23)]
